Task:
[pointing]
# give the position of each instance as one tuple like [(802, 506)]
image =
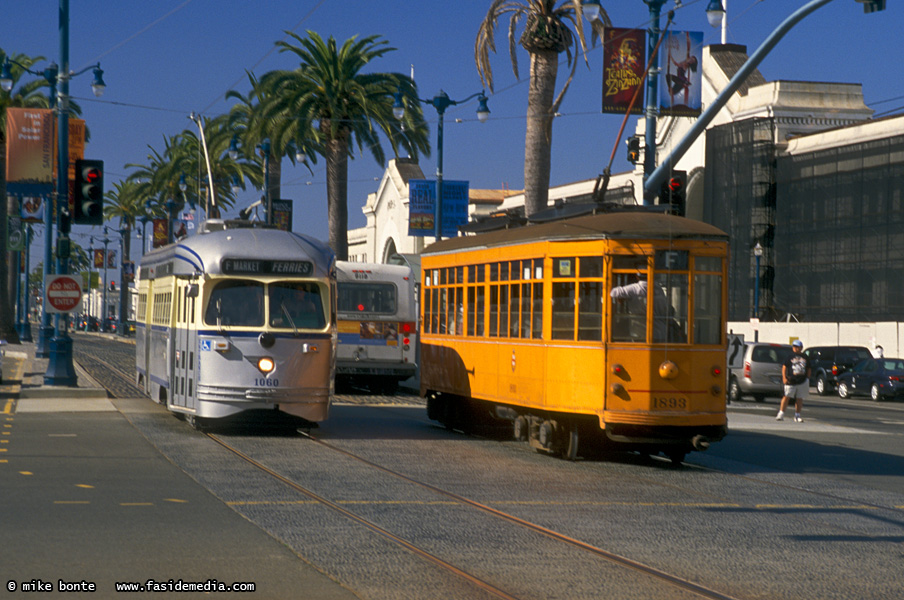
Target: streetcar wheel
[(521, 428), (844, 391), (570, 449)]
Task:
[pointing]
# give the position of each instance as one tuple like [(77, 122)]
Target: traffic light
[(89, 192), (112, 286), (633, 149), (674, 191)]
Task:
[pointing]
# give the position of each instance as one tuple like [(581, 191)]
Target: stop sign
[(64, 293)]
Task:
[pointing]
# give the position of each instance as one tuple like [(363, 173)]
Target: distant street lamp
[(441, 102), (757, 254)]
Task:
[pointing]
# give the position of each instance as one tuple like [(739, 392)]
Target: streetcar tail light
[(717, 371)]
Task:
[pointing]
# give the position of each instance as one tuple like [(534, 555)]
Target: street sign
[(64, 294), (735, 351)]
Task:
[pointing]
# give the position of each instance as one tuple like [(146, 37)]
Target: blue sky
[(163, 59)]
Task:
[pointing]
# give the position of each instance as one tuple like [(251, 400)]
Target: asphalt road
[(777, 510)]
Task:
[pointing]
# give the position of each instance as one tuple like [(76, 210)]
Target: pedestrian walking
[(796, 377)]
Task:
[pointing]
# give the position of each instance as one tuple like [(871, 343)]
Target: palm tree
[(548, 31), (330, 101)]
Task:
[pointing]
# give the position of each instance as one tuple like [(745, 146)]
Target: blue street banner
[(421, 203), (681, 73)]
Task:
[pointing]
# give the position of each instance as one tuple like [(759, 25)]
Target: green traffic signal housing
[(89, 192)]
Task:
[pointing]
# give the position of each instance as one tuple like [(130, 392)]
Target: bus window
[(296, 304), (238, 303), (380, 298)]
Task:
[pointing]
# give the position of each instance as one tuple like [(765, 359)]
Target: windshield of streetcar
[(290, 304)]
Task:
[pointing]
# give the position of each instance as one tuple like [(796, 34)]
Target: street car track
[(662, 576)]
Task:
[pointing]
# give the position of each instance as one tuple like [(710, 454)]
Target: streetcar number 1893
[(669, 402)]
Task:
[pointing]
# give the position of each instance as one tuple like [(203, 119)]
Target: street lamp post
[(60, 370), (757, 255), (441, 102), (591, 10), (103, 308), (121, 330), (24, 328)]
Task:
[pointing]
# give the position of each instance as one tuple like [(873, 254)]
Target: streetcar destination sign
[(250, 266)]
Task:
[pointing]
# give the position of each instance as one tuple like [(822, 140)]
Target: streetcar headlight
[(265, 364)]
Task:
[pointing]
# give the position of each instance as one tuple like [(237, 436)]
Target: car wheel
[(734, 390), (874, 393), (843, 390), (822, 386)]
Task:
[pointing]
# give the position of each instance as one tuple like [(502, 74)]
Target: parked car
[(761, 375), (827, 363), (879, 378)]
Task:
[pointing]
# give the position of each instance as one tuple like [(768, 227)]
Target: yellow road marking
[(136, 504), (85, 486), (26, 473), (4, 449), (8, 407), (176, 500), (3, 460)]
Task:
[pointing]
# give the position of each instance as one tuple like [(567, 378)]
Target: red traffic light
[(676, 183), (91, 175)]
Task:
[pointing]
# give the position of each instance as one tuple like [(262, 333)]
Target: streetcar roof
[(616, 225), (204, 253)]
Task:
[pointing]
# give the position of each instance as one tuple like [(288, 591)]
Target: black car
[(827, 363), (878, 378)]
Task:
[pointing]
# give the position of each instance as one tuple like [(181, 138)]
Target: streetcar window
[(503, 310), (296, 304), (537, 327), (670, 307), (481, 310), (590, 309), (563, 267), (563, 302), (708, 263), (707, 308), (472, 310), (515, 319), (237, 303), (525, 307), (359, 297), (629, 300), (494, 311), (591, 266)]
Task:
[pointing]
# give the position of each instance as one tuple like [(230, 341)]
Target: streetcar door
[(185, 345)]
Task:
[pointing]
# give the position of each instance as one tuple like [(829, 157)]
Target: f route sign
[(63, 293)]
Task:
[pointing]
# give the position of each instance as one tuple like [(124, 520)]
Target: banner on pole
[(282, 214), (422, 200), (29, 151), (680, 72), (624, 61)]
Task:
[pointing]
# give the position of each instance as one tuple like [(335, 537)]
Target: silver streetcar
[(235, 318)]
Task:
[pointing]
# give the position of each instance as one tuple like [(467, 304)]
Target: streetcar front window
[(296, 305), (236, 303)]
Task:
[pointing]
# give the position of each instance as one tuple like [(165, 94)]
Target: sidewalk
[(90, 501)]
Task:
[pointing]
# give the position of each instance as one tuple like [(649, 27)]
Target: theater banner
[(624, 62), (681, 73)]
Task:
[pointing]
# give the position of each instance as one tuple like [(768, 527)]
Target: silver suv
[(761, 375)]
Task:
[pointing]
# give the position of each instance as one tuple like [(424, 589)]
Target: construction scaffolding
[(740, 199), (839, 248)]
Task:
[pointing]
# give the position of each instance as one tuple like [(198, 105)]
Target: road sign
[(735, 351), (64, 294)]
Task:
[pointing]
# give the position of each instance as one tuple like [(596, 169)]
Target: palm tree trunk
[(544, 65), (337, 192), (7, 325)]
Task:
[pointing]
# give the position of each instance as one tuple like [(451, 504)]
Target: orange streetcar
[(605, 329)]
